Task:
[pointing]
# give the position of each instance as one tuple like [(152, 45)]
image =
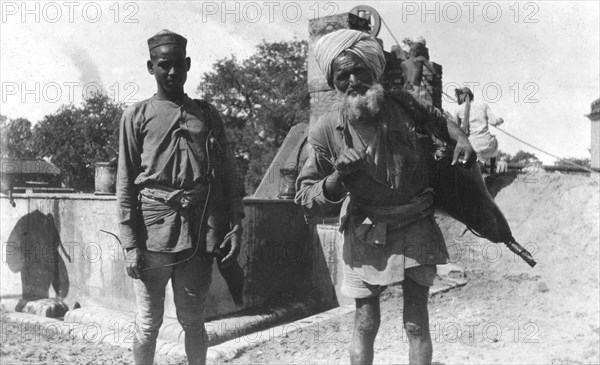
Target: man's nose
[(353, 80)]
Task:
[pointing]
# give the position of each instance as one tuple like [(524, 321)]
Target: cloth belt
[(163, 200), (372, 222)]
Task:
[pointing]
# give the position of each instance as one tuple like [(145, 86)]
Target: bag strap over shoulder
[(205, 106)]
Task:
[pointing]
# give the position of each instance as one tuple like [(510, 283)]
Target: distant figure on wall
[(412, 68), (473, 117)]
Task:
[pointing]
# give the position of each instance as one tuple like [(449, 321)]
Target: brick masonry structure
[(595, 140)]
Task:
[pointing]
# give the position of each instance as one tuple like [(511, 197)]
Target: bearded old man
[(365, 157)]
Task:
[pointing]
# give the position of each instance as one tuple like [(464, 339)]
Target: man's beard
[(363, 107)]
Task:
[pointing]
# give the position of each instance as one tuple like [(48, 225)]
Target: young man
[(480, 115), (178, 195), (368, 151)]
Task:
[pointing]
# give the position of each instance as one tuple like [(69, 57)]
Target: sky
[(537, 64)]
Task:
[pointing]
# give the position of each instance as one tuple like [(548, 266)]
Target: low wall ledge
[(88, 196), (66, 196), (252, 200)]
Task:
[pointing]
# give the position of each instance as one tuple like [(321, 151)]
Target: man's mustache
[(358, 87), (360, 105)]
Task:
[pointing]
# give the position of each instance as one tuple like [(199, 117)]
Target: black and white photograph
[(299, 182)]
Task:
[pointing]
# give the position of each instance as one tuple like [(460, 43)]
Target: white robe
[(480, 115)]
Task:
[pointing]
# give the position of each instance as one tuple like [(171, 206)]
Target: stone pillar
[(594, 116), (432, 77)]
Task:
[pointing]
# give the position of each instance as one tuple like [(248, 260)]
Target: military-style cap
[(165, 36)]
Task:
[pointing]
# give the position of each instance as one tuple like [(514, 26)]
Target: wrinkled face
[(362, 95), (169, 65), (351, 75)]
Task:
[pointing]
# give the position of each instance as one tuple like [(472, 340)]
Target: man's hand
[(463, 148), (350, 161), (231, 245), (134, 260)]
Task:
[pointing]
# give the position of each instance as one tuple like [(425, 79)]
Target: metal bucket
[(105, 179)]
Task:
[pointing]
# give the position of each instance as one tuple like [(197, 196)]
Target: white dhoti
[(485, 145)]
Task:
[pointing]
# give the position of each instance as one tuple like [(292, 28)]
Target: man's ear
[(150, 66), (188, 62)]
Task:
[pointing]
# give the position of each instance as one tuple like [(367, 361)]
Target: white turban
[(361, 44)]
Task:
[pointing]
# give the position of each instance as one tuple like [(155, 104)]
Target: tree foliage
[(75, 138), (16, 138), (585, 162), (260, 99), (520, 158)]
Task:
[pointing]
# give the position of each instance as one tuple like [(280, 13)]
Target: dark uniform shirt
[(164, 144)]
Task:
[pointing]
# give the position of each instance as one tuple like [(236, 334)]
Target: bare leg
[(493, 166), (416, 322), (143, 354), (195, 348), (366, 325)]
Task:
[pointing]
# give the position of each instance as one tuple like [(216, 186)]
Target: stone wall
[(52, 246)]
